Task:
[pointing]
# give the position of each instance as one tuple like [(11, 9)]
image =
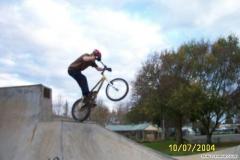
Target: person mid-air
[(84, 61)]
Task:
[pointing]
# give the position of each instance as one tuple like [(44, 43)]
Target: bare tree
[(100, 114)]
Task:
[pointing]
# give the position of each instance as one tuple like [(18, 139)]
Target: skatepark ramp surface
[(27, 132)]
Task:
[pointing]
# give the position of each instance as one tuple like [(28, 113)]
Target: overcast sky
[(40, 38)]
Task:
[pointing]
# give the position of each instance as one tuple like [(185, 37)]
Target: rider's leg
[(81, 80)]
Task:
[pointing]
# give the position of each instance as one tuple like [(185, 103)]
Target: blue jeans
[(81, 80)]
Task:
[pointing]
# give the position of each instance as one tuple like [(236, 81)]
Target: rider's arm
[(92, 58), (99, 68), (88, 58)]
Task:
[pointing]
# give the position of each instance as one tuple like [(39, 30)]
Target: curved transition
[(27, 132)]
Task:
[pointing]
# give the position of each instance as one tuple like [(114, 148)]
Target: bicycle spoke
[(80, 111), (117, 89)]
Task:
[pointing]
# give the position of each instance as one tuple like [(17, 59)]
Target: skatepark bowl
[(28, 131)]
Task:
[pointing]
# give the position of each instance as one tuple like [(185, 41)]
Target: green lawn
[(163, 146)]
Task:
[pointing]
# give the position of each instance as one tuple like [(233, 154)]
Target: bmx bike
[(116, 90)]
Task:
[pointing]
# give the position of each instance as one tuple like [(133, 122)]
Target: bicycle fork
[(116, 89)]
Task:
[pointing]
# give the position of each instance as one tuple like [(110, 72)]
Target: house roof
[(132, 127), (152, 128)]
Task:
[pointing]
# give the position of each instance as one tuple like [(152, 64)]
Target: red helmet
[(97, 54)]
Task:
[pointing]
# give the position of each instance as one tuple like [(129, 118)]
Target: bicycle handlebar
[(105, 68)]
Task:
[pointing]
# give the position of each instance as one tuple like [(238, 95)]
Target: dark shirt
[(80, 64)]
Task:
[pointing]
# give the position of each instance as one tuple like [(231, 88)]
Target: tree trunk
[(163, 137), (179, 130), (229, 119), (209, 138)]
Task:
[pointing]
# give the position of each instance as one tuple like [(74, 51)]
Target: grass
[(163, 146)]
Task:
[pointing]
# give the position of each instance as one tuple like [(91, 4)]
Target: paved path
[(229, 151)]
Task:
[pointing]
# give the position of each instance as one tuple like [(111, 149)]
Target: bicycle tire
[(125, 92), (85, 116)]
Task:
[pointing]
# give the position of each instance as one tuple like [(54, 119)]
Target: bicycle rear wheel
[(117, 89), (80, 111)]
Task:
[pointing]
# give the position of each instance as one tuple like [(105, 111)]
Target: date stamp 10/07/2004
[(192, 147)]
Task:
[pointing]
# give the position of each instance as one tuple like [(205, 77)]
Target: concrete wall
[(21, 110), (29, 102)]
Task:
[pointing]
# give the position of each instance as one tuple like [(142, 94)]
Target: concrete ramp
[(69, 140), (27, 132), (21, 109), (91, 141)]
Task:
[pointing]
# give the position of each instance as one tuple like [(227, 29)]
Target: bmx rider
[(84, 61)]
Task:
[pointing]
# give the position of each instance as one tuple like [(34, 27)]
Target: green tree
[(167, 82)]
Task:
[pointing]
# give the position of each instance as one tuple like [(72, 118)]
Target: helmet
[(97, 54)]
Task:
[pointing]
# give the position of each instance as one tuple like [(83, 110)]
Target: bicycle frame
[(101, 81), (99, 84)]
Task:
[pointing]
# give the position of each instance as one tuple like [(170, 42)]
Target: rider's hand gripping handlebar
[(109, 69), (105, 68)]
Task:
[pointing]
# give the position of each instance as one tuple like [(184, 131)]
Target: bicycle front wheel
[(117, 89)]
